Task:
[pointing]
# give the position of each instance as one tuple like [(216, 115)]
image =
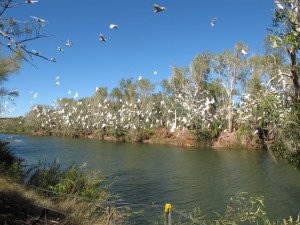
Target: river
[(144, 174)]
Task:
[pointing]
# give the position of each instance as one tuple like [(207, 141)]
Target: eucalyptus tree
[(187, 99), (38, 118), (16, 38), (8, 65), (17, 34), (286, 34), (128, 88), (200, 70), (144, 104), (230, 70)]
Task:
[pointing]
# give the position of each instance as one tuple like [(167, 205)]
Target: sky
[(144, 42)]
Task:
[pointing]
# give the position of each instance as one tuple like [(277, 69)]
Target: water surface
[(186, 177)]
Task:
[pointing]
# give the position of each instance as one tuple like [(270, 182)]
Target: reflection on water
[(187, 178)]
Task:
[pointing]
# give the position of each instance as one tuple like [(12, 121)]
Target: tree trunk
[(230, 110), (230, 121), (294, 72)]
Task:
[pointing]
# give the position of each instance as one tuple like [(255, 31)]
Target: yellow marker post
[(168, 208)]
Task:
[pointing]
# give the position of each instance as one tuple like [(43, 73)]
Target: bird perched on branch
[(244, 52), (158, 8)]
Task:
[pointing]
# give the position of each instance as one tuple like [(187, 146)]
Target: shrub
[(10, 165)]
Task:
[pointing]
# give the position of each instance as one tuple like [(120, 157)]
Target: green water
[(186, 177)]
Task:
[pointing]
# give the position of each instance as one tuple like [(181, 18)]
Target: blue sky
[(145, 42)]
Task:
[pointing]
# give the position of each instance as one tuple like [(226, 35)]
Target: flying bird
[(35, 95), (140, 78), (213, 21), (102, 38), (60, 49), (155, 72), (52, 59), (158, 8), (69, 92), (76, 95), (68, 43), (31, 1), (113, 26), (57, 78), (57, 83), (38, 19)]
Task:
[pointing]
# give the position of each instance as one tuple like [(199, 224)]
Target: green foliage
[(80, 182), (74, 181), (10, 165), (144, 134), (287, 143), (45, 175), (243, 208), (203, 135)]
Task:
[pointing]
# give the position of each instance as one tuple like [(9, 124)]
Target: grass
[(47, 193)]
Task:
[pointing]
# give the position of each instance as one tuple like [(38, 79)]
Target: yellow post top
[(168, 208)]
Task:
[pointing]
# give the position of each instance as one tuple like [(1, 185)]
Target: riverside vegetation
[(45, 194)]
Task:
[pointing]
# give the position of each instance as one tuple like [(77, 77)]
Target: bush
[(203, 135), (10, 165)]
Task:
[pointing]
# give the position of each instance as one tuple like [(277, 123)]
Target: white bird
[(60, 49), (158, 8), (69, 92), (68, 43), (255, 132), (57, 83), (38, 19), (57, 78), (102, 38), (155, 72), (244, 52), (213, 22), (140, 78), (35, 52), (277, 2), (76, 95), (35, 95), (52, 59), (31, 1), (113, 26)]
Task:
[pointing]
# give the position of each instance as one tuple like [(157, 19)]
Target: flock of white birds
[(97, 113)]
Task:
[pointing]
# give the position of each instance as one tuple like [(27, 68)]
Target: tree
[(230, 69), (16, 34), (286, 34), (8, 65)]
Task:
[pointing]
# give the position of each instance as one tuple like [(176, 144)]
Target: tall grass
[(74, 191)]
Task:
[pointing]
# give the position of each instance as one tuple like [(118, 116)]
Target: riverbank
[(186, 138)]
